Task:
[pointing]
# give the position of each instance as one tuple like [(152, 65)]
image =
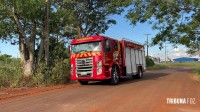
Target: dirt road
[(154, 93)]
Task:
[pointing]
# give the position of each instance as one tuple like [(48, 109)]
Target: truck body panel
[(133, 55), (95, 57)]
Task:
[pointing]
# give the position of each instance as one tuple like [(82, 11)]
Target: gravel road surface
[(158, 91)]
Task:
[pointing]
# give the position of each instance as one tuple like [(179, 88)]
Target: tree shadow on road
[(149, 76), (126, 80)]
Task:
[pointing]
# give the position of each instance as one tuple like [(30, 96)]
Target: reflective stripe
[(81, 55), (89, 54), (85, 55), (99, 53), (77, 55), (93, 54)]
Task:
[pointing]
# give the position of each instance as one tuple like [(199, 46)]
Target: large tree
[(22, 22), (92, 16), (177, 20), (19, 20)]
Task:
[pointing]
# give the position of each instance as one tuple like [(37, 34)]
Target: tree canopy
[(91, 16), (24, 22), (178, 21)]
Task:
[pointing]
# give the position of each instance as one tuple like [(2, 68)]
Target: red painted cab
[(97, 58)]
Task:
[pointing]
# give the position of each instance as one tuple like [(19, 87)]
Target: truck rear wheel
[(83, 82), (115, 76), (139, 74)]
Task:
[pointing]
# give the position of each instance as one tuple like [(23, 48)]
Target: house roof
[(186, 59)]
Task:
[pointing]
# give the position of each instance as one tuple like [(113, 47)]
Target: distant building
[(185, 59)]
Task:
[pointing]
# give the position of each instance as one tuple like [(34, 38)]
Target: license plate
[(83, 73)]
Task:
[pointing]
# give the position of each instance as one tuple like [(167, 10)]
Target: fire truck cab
[(96, 58)]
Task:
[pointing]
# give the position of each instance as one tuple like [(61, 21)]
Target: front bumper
[(94, 75)]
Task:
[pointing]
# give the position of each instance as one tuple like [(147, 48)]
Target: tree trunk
[(41, 49), (27, 59), (28, 68), (79, 31), (26, 46), (47, 34)]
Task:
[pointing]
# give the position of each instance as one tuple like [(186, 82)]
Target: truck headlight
[(99, 67), (99, 70), (72, 65), (99, 64)]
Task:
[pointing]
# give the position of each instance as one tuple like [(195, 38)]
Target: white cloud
[(176, 49), (179, 53), (172, 53)]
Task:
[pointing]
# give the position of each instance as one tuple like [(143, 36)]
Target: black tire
[(83, 82), (115, 76), (139, 75)]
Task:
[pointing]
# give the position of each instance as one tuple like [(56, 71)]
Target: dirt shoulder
[(10, 93)]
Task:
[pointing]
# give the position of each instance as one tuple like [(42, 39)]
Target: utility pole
[(47, 33), (165, 54), (147, 44)]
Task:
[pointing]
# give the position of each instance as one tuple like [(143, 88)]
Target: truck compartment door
[(133, 61), (140, 57), (137, 57), (128, 61), (143, 60)]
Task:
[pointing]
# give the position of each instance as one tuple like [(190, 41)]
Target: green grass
[(186, 64), (10, 72), (194, 65), (157, 67)]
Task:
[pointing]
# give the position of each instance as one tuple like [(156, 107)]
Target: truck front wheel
[(83, 82), (115, 76)]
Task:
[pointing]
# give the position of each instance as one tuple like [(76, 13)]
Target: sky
[(122, 29)]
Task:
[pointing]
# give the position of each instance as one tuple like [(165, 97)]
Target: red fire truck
[(96, 58)]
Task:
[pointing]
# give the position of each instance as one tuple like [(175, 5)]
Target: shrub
[(149, 62), (45, 76), (10, 72)]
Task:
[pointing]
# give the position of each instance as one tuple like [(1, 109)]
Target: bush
[(58, 71), (45, 76), (10, 72), (149, 62)]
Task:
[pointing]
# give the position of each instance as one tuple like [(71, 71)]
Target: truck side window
[(116, 46), (107, 45)]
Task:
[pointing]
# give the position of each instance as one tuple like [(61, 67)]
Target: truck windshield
[(86, 47)]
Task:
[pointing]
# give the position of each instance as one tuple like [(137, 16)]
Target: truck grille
[(84, 67)]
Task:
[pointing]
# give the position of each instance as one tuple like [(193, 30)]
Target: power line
[(147, 44)]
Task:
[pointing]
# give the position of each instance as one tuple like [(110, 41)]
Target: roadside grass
[(11, 74), (197, 71), (194, 65), (157, 67)]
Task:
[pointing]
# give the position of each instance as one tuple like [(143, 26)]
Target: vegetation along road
[(168, 90)]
